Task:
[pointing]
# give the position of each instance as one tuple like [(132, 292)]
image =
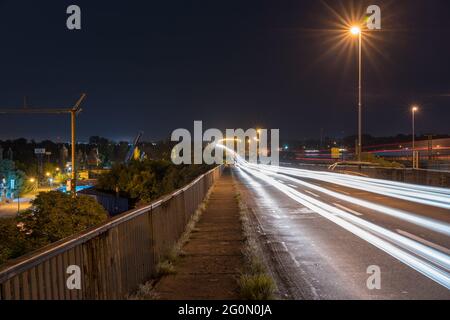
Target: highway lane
[(322, 236)]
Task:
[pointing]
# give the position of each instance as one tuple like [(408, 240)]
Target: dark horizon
[(400, 137), (156, 67)]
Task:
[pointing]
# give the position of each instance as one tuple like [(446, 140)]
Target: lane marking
[(312, 193), (306, 210), (340, 191), (347, 209), (425, 242), (292, 186)]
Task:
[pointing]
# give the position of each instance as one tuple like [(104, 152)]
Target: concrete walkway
[(213, 255)]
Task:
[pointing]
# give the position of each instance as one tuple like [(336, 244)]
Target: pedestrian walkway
[(212, 260)]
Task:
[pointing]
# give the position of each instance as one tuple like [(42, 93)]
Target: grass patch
[(256, 286), (145, 292), (255, 283), (165, 268)]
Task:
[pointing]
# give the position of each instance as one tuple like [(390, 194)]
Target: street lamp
[(356, 31), (414, 109)]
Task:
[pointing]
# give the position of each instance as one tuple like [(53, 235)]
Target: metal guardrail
[(114, 257)]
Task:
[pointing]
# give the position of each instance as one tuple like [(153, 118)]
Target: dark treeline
[(98, 152)]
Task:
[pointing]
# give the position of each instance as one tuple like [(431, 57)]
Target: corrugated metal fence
[(114, 258)]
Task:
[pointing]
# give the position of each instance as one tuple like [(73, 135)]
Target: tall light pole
[(414, 109), (356, 31)]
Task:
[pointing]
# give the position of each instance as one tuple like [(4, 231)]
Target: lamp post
[(356, 31), (414, 109)]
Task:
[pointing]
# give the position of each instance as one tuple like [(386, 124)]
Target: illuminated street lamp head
[(415, 109), (355, 30)]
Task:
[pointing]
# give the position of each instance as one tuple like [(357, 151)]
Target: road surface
[(9, 210), (323, 232)]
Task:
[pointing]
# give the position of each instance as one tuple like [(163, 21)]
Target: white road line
[(312, 193), (340, 191), (425, 242), (292, 186), (347, 209)]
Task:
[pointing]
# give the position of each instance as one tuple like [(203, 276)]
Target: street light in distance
[(414, 109)]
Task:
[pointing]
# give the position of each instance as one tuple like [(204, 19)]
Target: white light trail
[(423, 259), (371, 233), (432, 196), (428, 223)]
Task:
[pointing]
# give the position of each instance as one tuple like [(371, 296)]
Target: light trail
[(432, 196), (428, 223), (428, 261), (377, 236)]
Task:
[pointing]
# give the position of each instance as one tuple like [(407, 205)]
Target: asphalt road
[(322, 237)]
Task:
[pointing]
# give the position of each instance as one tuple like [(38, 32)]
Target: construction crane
[(133, 147), (73, 111)]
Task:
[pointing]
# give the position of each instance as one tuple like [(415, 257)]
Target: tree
[(145, 181), (8, 233), (8, 172), (55, 215)]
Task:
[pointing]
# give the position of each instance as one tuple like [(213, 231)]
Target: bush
[(55, 215), (8, 232), (52, 217), (145, 181), (368, 157)]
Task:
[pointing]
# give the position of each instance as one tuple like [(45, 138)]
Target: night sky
[(159, 65)]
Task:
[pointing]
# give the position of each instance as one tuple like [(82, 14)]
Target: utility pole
[(357, 31), (73, 180), (360, 98), (415, 155), (73, 111)]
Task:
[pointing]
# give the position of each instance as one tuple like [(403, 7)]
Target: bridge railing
[(113, 258)]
